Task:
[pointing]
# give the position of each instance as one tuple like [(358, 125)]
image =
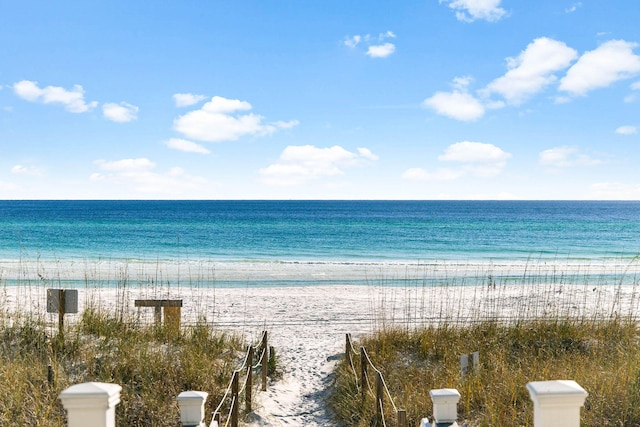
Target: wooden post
[(264, 360), (61, 312), (216, 418), (234, 398), (347, 350), (402, 418), (249, 386), (363, 371), (379, 397)]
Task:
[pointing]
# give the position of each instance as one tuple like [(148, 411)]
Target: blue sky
[(334, 99)]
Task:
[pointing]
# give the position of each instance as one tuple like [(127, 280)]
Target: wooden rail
[(364, 384), (234, 392)]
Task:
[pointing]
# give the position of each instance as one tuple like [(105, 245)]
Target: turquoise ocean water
[(321, 239)]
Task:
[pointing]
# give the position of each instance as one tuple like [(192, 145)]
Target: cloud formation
[(26, 170), (472, 10), (474, 158), (187, 99), (610, 62), (376, 47), (186, 146), (139, 174), (299, 164), (565, 157), (72, 100), (221, 119), (532, 70), (626, 130), (121, 113), (458, 105)]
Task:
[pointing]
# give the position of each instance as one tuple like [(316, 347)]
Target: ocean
[(280, 243)]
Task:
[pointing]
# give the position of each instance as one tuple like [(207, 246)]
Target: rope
[(261, 356)]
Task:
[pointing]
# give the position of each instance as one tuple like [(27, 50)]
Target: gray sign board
[(70, 300)]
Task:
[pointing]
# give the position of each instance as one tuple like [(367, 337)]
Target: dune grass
[(153, 364), (603, 356)]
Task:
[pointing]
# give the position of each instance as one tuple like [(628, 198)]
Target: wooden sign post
[(62, 301)]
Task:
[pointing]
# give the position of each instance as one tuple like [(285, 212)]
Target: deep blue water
[(319, 230)]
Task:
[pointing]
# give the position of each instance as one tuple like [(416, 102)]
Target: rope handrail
[(246, 366), (382, 388)]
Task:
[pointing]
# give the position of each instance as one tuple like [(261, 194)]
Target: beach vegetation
[(602, 355), (152, 363)]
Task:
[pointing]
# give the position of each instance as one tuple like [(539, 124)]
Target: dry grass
[(153, 365), (602, 356)]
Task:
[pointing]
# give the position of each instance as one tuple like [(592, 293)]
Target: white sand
[(307, 325)]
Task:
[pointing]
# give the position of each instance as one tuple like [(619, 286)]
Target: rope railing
[(364, 384), (234, 391)]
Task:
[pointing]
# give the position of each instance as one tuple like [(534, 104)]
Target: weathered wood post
[(91, 404), (248, 389), (191, 405), (363, 371), (379, 398), (264, 360), (556, 403), (402, 418), (61, 302), (234, 399), (347, 350), (445, 405)]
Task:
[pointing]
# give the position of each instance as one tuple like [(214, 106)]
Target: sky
[(332, 99)]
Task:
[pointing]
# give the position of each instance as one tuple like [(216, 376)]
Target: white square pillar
[(191, 405), (445, 405), (556, 403), (91, 404)]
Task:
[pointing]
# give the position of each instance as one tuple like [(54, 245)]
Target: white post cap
[(445, 404), (191, 405), (556, 403), (91, 404)]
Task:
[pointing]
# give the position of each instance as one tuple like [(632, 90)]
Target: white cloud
[(121, 113), (614, 191), (187, 99), (626, 130), (573, 7), (564, 157), (610, 62), (456, 105), (187, 146), (352, 41), (299, 164), (475, 158), (26, 170), (375, 48), (219, 120), (139, 175), (381, 51), (532, 70), (73, 100), (471, 10)]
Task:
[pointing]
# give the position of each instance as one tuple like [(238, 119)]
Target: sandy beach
[(307, 324)]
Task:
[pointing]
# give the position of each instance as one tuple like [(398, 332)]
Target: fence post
[(402, 418), (234, 399), (264, 359), (347, 350), (379, 399), (191, 405), (556, 403), (248, 388), (363, 371), (91, 404), (445, 405)]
